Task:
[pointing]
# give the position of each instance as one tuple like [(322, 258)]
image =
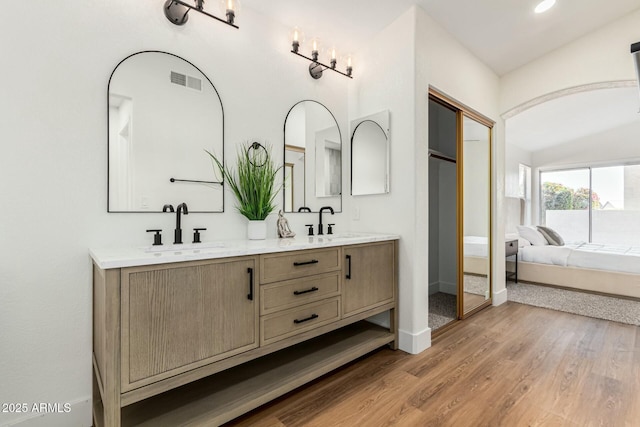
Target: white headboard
[(514, 214)]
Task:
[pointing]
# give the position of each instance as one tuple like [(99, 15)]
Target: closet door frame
[(464, 111)]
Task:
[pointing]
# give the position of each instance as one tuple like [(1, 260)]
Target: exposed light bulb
[(544, 5), (296, 36), (231, 7)]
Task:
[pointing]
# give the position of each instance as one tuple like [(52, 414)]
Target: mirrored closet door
[(459, 211)]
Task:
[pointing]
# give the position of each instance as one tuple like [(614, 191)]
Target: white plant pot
[(257, 230)]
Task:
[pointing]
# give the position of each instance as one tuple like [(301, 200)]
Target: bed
[(609, 269), (476, 250)]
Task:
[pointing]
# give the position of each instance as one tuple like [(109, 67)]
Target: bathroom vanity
[(200, 335)]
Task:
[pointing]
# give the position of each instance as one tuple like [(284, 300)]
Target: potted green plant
[(253, 184)]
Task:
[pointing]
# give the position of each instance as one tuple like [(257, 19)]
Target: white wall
[(53, 115), (386, 68), (383, 80), (514, 156)]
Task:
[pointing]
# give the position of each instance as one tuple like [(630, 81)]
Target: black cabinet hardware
[(250, 271), (313, 261), (306, 291), (306, 319), (349, 269)]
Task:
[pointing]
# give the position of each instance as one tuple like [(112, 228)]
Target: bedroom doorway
[(459, 211)]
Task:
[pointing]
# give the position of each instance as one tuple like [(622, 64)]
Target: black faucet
[(177, 235), (324, 208), (304, 209)]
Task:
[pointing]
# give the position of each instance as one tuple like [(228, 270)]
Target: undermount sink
[(184, 247)]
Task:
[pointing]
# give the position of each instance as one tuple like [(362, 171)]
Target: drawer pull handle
[(250, 295), (348, 275), (306, 291), (313, 261), (306, 319)]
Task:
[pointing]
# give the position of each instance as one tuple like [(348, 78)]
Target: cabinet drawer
[(510, 247), (290, 265), (294, 293), (281, 325)]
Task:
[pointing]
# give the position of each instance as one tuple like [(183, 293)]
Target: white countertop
[(107, 258)]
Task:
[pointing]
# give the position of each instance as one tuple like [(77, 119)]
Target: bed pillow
[(532, 234), (551, 235), (522, 242)]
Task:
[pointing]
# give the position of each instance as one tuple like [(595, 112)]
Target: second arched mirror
[(312, 159)]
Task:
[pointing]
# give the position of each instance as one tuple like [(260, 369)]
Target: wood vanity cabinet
[(369, 273), (179, 317), (202, 342)]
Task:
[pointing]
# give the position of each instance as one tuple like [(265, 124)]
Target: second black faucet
[(177, 234), (322, 209)]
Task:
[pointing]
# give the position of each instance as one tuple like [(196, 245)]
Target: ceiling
[(504, 34)]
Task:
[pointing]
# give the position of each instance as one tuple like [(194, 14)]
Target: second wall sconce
[(316, 67), (177, 11)]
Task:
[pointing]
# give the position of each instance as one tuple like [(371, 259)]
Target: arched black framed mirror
[(163, 112), (312, 158)]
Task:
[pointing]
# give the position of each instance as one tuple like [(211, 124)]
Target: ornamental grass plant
[(253, 182)]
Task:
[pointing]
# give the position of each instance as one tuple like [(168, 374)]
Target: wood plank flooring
[(512, 365)]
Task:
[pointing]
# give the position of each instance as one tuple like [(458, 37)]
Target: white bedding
[(476, 246), (625, 259)]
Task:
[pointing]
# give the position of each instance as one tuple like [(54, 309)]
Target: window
[(524, 190), (593, 204)]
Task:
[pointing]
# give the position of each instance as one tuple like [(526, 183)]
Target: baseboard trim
[(499, 297), (414, 343), (76, 413)]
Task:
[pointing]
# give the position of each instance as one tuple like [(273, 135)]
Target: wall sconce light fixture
[(177, 11), (316, 67)]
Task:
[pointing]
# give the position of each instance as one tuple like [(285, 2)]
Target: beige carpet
[(592, 305)]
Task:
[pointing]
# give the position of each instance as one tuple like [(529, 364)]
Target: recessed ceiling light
[(544, 5)]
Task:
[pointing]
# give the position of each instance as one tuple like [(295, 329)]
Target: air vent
[(194, 83), (179, 79), (186, 81)]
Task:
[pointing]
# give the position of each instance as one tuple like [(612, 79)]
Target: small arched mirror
[(312, 159), (163, 113), (370, 155)]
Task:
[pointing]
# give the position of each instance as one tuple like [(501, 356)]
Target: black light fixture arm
[(317, 63), (176, 19)]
